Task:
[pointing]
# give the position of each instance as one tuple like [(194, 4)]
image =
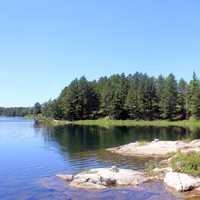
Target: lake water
[(31, 156)]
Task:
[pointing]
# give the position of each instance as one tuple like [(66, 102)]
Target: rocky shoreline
[(102, 178), (156, 148)]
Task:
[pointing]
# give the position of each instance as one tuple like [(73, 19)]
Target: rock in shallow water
[(181, 182), (105, 177)]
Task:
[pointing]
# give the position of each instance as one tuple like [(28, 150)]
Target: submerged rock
[(181, 182), (156, 148), (105, 177)]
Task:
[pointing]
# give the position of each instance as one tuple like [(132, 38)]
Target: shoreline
[(48, 121), (110, 123), (132, 123)]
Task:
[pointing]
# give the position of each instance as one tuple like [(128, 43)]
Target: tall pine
[(194, 97), (168, 101)]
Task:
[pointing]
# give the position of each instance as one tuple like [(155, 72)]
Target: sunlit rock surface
[(102, 178), (156, 148), (181, 182)]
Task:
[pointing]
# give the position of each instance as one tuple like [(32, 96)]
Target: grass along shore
[(157, 123), (108, 122)]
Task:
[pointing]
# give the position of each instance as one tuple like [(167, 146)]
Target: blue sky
[(44, 44)]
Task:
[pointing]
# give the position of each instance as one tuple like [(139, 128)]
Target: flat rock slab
[(102, 178), (156, 148), (181, 182)]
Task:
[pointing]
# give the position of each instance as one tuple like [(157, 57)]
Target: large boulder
[(105, 177), (181, 182)]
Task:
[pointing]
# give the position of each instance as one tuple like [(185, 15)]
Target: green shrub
[(187, 163)]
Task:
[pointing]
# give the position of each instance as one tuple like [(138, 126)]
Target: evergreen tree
[(168, 99), (106, 98), (194, 97), (52, 109), (182, 105), (160, 84), (136, 96), (150, 99), (37, 108), (132, 102), (79, 100), (119, 92)]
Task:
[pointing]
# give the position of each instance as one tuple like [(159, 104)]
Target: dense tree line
[(136, 96), (21, 111), (15, 111)]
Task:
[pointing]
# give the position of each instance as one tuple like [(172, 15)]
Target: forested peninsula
[(120, 97), (135, 97)]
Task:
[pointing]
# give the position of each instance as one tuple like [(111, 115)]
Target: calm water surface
[(31, 156)]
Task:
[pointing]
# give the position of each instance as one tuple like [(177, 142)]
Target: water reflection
[(84, 146), (83, 138)]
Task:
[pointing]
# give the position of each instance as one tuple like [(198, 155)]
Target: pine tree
[(168, 99), (132, 103), (79, 100), (194, 97), (150, 99), (182, 102), (119, 92), (37, 108), (105, 89), (160, 84)]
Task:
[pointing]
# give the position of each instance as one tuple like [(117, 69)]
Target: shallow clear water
[(31, 156)]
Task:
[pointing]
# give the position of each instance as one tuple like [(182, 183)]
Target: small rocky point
[(102, 178)]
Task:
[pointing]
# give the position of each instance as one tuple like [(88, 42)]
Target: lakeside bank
[(47, 121), (155, 123), (109, 122)]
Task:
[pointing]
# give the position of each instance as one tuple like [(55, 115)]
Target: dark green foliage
[(79, 100), (52, 109), (168, 99), (160, 85), (104, 89), (16, 111), (132, 103), (119, 86), (182, 101), (37, 109), (194, 97), (141, 101), (136, 96)]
